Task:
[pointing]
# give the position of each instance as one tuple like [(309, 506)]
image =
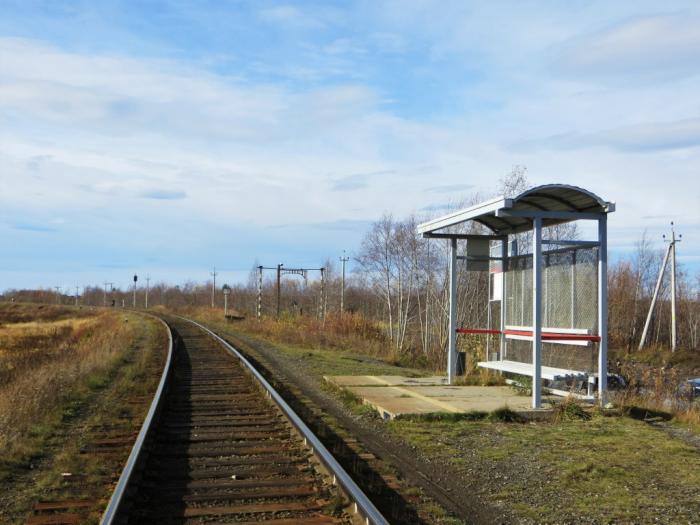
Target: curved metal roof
[(554, 203)]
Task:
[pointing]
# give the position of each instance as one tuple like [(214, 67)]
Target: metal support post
[(342, 283), (603, 309), (227, 292), (76, 295), (489, 319), (148, 286), (279, 279), (653, 298), (260, 278), (452, 340), (537, 314), (673, 289), (322, 304), (504, 295), (573, 289), (213, 286)]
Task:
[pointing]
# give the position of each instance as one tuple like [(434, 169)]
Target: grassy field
[(605, 470), (347, 344), (65, 373)]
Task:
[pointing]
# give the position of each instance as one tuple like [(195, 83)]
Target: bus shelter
[(550, 292)]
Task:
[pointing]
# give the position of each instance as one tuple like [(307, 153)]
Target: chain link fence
[(569, 301)]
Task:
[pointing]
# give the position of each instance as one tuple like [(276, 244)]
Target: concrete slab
[(343, 381), (394, 396)]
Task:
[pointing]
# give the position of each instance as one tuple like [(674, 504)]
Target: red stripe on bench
[(477, 331), (546, 336)]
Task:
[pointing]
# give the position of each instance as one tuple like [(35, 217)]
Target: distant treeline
[(399, 281)]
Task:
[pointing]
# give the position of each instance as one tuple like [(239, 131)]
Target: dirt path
[(440, 482), (686, 436)]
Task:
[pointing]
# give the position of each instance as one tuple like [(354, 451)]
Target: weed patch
[(570, 410), (609, 469)]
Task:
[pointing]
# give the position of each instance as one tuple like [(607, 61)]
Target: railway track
[(220, 445)]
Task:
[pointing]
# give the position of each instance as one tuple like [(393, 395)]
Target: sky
[(163, 138)]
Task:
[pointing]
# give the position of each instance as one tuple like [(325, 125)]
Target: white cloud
[(290, 16), (645, 48), (158, 141), (642, 137)]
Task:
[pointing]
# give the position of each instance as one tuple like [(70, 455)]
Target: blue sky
[(165, 137)]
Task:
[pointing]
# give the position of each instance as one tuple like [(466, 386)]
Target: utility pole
[(148, 286), (343, 259), (58, 294), (260, 283), (279, 282), (136, 278), (673, 242), (671, 251), (322, 303), (76, 294), (104, 296), (213, 286)]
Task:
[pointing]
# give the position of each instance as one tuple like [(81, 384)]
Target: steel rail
[(362, 503), (112, 510)]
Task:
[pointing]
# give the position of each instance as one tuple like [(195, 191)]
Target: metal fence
[(569, 301)]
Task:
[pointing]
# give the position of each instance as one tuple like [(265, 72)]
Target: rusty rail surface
[(137, 450), (219, 443)]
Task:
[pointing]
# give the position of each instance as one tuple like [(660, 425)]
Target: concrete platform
[(344, 381), (394, 396)]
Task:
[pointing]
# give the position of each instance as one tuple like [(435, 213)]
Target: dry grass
[(28, 312), (43, 366), (658, 390), (481, 377), (346, 331)]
